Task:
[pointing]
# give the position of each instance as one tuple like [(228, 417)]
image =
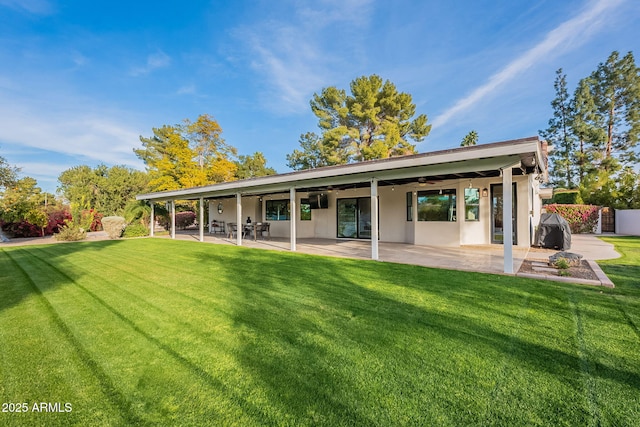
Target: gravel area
[(582, 271)]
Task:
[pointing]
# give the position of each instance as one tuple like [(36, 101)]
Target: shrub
[(581, 218), (114, 226), (567, 197), (96, 219), (185, 219), (22, 229), (57, 218), (135, 230), (562, 263), (71, 232)]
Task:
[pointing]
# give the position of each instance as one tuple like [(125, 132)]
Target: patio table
[(255, 227), (252, 228)]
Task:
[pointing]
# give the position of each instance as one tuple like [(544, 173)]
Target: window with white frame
[(472, 204)]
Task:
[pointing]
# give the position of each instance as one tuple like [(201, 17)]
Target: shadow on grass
[(334, 341), (16, 263), (312, 331)]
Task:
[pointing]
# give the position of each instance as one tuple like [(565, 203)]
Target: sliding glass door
[(354, 218)]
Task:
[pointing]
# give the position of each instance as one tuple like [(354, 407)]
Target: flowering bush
[(57, 218), (96, 219), (581, 218), (185, 219), (22, 229)]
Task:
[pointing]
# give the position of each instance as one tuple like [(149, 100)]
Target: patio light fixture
[(220, 207), (485, 192)]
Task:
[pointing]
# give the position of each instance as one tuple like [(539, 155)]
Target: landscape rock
[(572, 258)]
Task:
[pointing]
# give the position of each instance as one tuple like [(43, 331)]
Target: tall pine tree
[(559, 135)]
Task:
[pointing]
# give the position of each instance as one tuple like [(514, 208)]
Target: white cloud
[(564, 38), (289, 52), (37, 7), (74, 133), (154, 61)]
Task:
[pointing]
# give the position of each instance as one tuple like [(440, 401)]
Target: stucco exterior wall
[(394, 226)]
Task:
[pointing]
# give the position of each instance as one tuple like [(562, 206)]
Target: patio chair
[(232, 229), (264, 227)]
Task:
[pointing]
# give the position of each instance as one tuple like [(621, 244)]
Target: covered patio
[(481, 258), (391, 221), (472, 258)]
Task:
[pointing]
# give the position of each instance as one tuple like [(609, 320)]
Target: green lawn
[(161, 332)]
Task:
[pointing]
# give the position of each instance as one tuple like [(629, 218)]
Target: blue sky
[(81, 81)]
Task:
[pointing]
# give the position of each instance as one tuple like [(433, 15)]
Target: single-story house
[(451, 197)]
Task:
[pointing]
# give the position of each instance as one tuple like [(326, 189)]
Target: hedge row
[(581, 218)]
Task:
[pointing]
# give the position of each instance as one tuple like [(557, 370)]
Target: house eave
[(463, 160)]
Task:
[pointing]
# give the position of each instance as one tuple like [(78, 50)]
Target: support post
[(239, 225), (374, 219), (173, 219), (201, 219), (507, 219), (293, 217), (152, 220)]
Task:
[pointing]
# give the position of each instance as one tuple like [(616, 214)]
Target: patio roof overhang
[(467, 162)]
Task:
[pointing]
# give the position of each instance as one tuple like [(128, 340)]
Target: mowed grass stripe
[(194, 343), (137, 362), (301, 340), (148, 302), (63, 371)]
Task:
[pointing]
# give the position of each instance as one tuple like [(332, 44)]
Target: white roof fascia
[(491, 156)]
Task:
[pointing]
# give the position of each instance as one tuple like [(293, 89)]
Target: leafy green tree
[(470, 139), (586, 126), (628, 196), (212, 152), (253, 166), (616, 91), (313, 154), (18, 200), (80, 185), (560, 136), (375, 121), (8, 173), (188, 155), (120, 184), (106, 190), (597, 132)]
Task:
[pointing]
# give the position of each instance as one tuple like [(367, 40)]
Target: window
[(305, 210), (277, 210), (437, 205), (472, 204), (409, 206)]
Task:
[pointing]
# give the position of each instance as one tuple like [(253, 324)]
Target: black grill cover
[(553, 232)]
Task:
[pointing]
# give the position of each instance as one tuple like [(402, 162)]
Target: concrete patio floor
[(481, 258)]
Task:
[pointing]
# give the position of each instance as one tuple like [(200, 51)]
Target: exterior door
[(497, 202), (354, 218)]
